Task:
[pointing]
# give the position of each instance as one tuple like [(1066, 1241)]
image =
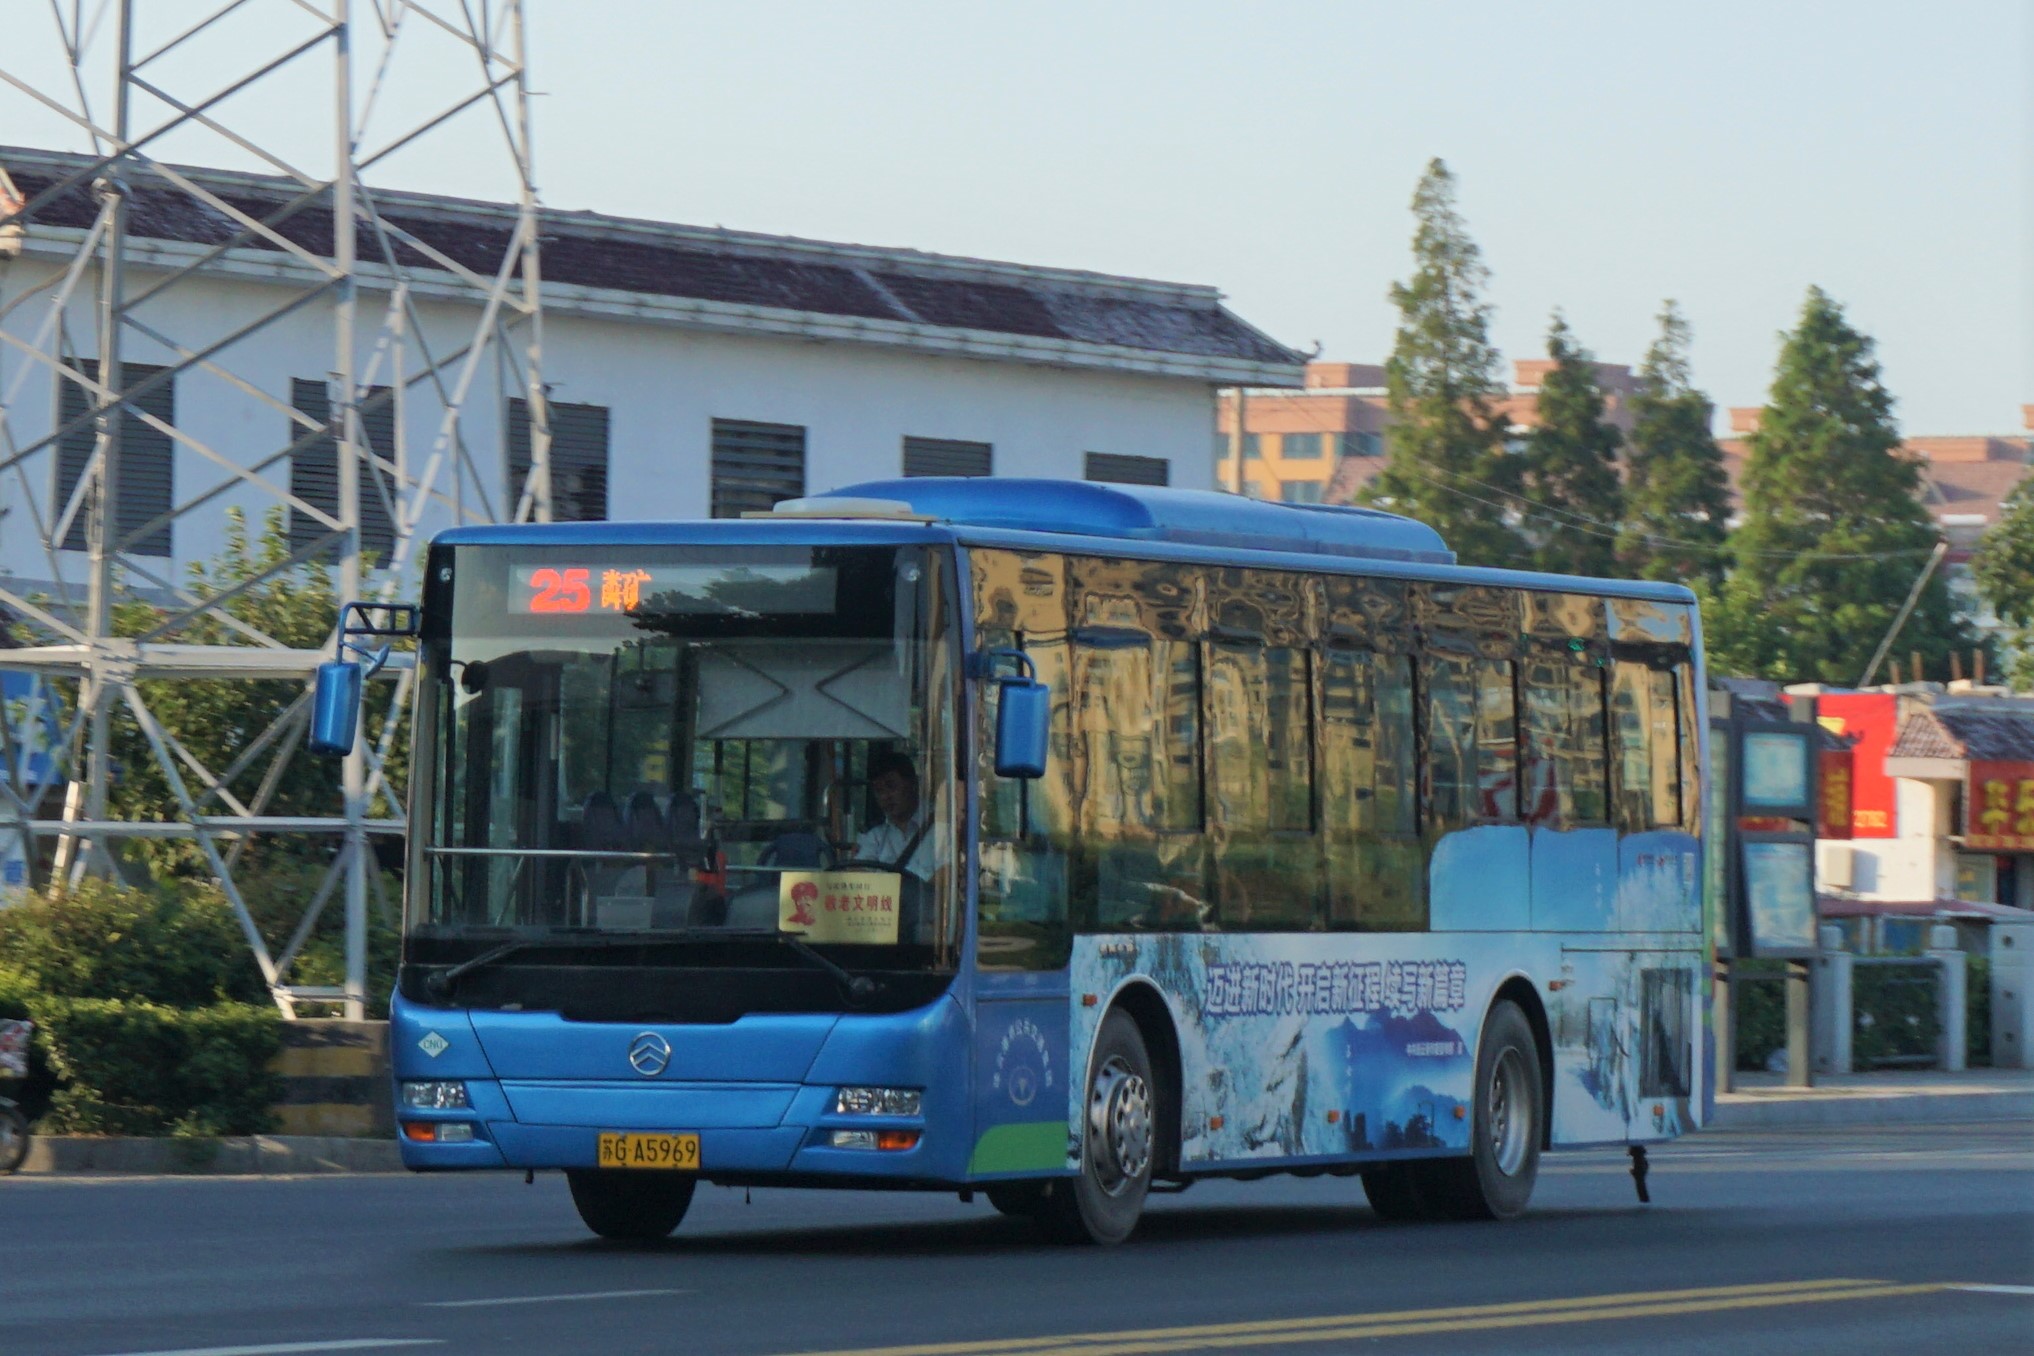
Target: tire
[(1496, 1180), (1395, 1192), (1118, 1139), (1019, 1200), (13, 1137), (630, 1207)]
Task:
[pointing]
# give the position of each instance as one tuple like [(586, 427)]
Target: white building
[(691, 372)]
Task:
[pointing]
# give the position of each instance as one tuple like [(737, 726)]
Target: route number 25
[(560, 591)]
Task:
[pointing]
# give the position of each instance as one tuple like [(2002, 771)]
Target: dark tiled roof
[(1967, 732), (591, 250)]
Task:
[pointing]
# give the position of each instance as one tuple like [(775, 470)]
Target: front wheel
[(1102, 1204), (630, 1207), (13, 1137), (1496, 1180)]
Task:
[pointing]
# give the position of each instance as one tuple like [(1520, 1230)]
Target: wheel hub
[(1119, 1126), (1508, 1114)]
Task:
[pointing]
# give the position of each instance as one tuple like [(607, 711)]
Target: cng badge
[(434, 1044)]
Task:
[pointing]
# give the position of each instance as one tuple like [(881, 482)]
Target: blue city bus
[(1059, 842)]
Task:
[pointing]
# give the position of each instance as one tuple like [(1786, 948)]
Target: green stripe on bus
[(1025, 1147)]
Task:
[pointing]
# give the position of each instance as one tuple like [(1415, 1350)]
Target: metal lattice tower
[(129, 89)]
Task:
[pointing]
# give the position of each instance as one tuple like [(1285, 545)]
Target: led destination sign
[(725, 590)]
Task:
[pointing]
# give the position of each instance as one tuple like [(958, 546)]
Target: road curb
[(1810, 1109), (240, 1155)]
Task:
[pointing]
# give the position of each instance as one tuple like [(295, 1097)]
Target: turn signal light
[(438, 1132), (896, 1139)]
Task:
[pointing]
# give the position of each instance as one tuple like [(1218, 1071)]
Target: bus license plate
[(677, 1153)]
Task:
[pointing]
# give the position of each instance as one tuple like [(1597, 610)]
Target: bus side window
[(1472, 742), (1566, 774), (1026, 827), (1137, 700), (1645, 712), (1260, 784), (1369, 792)]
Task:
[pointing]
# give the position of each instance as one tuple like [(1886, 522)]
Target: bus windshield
[(684, 741)]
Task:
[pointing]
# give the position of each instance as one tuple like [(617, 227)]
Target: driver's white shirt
[(886, 842)]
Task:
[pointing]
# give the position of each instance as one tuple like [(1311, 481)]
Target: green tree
[(1834, 534), (1676, 495), (1571, 465), (2004, 571), (1445, 460)]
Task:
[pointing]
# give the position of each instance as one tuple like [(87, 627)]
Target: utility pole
[(1236, 442)]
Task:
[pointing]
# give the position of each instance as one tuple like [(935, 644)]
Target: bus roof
[(1158, 522)]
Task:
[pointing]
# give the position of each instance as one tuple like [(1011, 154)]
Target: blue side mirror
[(335, 707), (1023, 718)]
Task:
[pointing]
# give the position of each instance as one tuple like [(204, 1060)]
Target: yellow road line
[(1546, 1319), (1337, 1326)]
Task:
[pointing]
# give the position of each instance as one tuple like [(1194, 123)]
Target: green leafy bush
[(139, 1068), (1894, 1014), (179, 946), (1761, 1025)]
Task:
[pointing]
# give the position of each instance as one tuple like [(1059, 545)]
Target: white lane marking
[(284, 1348), (546, 1299), (1995, 1289)]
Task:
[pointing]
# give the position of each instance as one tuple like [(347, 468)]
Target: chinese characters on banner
[(1833, 807), (840, 906), (1869, 720), (1999, 807)]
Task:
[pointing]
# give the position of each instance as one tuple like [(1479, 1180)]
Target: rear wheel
[(630, 1207), (13, 1137), (1102, 1204), (1394, 1192), (1496, 1180)]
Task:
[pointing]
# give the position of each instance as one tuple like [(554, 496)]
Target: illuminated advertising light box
[(1776, 774), (1779, 887)]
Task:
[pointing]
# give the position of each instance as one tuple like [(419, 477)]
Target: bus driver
[(901, 840)]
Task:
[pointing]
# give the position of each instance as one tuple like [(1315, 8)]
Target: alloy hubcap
[(1508, 1114), (1119, 1126)]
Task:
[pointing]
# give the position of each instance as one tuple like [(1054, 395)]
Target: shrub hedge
[(139, 1068), (150, 1015)]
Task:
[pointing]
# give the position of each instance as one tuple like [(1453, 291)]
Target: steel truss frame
[(378, 338)]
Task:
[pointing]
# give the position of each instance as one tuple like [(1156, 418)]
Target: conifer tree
[(2004, 570), (1445, 460), (1571, 465), (1676, 495), (1834, 533)]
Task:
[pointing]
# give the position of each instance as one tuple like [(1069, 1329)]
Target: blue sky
[(1728, 155)]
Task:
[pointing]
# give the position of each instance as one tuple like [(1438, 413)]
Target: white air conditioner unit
[(1833, 866)]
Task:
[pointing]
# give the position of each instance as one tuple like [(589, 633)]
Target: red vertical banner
[(1834, 803), (1868, 721), (1999, 807)]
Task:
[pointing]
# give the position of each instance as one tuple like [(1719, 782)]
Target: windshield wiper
[(854, 987)]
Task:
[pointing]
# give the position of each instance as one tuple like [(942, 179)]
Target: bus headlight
[(436, 1096), (878, 1102)]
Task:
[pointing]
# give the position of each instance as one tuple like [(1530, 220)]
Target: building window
[(578, 460), (1114, 468), (1301, 446), (756, 466), (1362, 444), (1253, 446), (146, 486), (1301, 491), (946, 457), (314, 470)]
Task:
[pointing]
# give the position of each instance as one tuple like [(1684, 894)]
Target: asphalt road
[(1786, 1242)]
